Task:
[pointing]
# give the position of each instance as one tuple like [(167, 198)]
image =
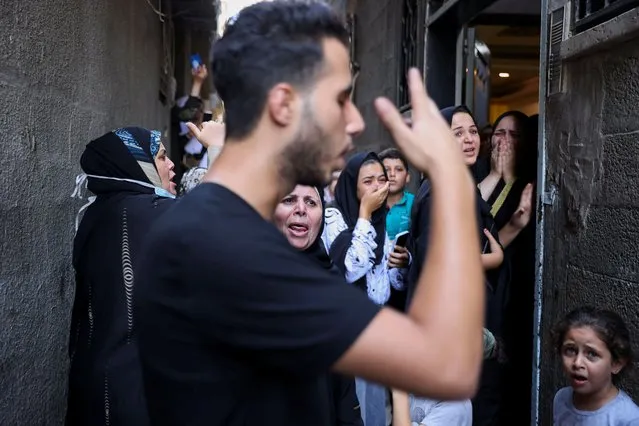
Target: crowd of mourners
[(284, 280)]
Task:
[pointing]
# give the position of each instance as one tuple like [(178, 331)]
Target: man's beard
[(302, 160)]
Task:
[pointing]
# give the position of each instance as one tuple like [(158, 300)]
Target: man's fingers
[(420, 104), (392, 119)]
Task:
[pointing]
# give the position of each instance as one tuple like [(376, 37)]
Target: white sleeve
[(360, 256), (396, 277)]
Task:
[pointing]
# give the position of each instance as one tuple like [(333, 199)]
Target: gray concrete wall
[(592, 255), (377, 42), (70, 70)]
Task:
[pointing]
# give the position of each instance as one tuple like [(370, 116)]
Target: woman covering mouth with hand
[(356, 238)]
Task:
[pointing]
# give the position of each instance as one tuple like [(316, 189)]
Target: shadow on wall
[(96, 68)]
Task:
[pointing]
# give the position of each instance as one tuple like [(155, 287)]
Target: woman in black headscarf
[(355, 235), (355, 232), (300, 217), (130, 174), (487, 404), (508, 189)]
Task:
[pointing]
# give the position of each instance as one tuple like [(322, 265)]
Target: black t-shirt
[(236, 326)]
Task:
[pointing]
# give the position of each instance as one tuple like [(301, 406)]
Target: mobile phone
[(196, 61), (401, 239), (208, 116)]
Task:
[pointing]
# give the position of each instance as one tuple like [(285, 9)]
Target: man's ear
[(280, 104)]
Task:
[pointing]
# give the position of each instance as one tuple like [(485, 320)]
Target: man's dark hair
[(393, 154), (266, 44)]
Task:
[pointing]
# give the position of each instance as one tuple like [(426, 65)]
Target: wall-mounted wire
[(157, 11)]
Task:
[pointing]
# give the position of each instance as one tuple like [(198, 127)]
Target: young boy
[(399, 202)]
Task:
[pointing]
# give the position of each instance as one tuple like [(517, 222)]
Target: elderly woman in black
[(300, 217), (131, 176)]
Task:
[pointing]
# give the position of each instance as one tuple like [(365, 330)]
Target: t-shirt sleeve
[(260, 299)]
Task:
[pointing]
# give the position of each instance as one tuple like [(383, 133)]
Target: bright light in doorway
[(504, 74)]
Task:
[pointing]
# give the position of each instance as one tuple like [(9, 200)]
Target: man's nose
[(354, 120)]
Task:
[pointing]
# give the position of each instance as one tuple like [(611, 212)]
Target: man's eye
[(287, 201)]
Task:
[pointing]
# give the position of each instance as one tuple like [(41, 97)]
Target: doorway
[(497, 61)]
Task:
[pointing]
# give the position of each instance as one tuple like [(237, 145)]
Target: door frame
[(540, 214)]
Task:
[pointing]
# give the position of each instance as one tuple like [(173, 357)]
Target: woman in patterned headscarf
[(130, 174)]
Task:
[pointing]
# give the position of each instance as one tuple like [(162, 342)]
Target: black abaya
[(105, 379)]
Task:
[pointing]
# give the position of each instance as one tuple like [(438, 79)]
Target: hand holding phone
[(196, 61), (399, 257), (401, 239)]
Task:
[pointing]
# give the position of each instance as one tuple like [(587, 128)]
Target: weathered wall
[(377, 38), (592, 256), (70, 70)]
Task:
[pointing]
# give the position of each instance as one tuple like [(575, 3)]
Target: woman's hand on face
[(508, 161), (398, 258), (522, 215), (497, 159), (373, 200), (211, 133)]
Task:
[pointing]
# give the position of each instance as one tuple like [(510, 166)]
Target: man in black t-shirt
[(236, 327)]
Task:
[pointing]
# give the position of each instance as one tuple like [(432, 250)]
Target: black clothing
[(237, 327), (345, 408), (487, 403), (105, 378), (317, 250), (347, 411)]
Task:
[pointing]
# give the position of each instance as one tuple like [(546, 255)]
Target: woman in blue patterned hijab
[(130, 175)]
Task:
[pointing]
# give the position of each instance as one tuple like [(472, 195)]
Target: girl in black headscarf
[(300, 217), (355, 235), (130, 174), (355, 232)]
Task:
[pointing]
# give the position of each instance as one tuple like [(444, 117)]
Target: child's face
[(587, 362)]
